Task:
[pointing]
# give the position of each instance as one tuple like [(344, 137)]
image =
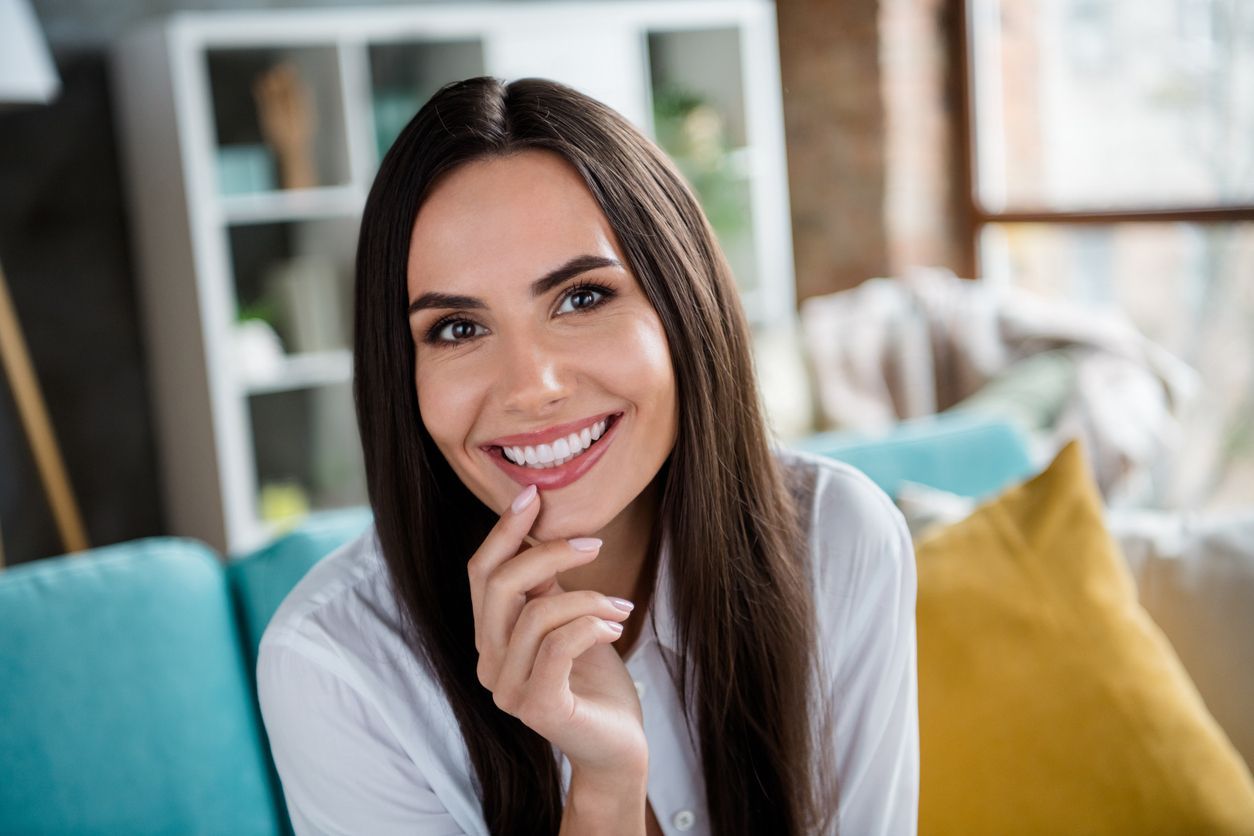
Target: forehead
[(505, 220)]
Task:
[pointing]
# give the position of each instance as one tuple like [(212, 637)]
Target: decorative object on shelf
[(283, 504), (258, 350), (392, 111), (245, 169), (311, 312), (285, 110), (27, 76)]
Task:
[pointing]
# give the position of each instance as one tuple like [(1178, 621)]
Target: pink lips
[(552, 478)]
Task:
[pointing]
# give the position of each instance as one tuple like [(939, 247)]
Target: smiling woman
[(559, 417), (537, 361)]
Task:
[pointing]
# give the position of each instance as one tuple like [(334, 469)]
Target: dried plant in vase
[(286, 111)]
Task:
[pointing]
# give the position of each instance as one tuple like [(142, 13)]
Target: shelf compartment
[(305, 84), (404, 74), (297, 279), (306, 453), (699, 119)]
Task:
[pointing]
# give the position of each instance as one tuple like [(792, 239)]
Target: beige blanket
[(899, 348)]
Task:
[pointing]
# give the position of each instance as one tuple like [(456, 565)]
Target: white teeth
[(561, 451)]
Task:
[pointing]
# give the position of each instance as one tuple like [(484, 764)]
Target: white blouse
[(365, 742)]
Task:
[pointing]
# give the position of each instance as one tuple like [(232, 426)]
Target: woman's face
[(552, 337)]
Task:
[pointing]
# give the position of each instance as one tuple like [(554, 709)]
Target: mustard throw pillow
[(1049, 702)]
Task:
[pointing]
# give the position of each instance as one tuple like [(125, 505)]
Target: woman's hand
[(545, 653)]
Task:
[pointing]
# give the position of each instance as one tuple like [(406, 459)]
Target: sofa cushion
[(967, 454), (262, 579), (1049, 702), (125, 704)]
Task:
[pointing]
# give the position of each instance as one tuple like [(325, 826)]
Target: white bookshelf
[(214, 244)]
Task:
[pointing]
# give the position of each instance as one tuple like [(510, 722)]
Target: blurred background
[(1041, 210)]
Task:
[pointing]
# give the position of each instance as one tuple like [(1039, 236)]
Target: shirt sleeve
[(875, 682), (341, 768)]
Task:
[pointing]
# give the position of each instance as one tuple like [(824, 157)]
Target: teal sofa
[(126, 673)]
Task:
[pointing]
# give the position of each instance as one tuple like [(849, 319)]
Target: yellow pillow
[(1049, 702)]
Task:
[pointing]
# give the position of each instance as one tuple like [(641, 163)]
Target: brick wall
[(873, 121)]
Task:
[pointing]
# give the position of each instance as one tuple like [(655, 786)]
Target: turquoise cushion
[(125, 706), (262, 579), (966, 454)]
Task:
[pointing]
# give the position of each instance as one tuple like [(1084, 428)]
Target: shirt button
[(639, 688), (684, 820)]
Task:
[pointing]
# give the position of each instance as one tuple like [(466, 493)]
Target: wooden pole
[(43, 442)]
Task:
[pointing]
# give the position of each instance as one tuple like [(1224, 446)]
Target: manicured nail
[(585, 544), (622, 604), (613, 625), (523, 499)]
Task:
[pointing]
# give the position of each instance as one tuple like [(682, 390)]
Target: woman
[(559, 417)]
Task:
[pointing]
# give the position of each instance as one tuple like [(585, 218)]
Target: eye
[(451, 330), (592, 296)]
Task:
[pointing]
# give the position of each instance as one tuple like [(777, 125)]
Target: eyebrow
[(541, 286)]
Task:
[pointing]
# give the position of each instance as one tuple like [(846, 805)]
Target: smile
[(559, 452), (557, 463)]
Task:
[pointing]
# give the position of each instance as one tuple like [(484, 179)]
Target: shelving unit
[(256, 421)]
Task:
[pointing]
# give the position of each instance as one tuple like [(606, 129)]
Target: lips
[(553, 478)]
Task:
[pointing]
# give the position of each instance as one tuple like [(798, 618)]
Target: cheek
[(444, 400), (639, 363)]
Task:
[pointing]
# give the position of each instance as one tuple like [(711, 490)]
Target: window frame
[(981, 216)]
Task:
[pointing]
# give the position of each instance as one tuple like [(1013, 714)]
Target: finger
[(531, 574), (541, 616), (550, 679), (502, 543), (550, 675)]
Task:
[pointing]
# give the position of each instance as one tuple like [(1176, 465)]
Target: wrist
[(606, 803)]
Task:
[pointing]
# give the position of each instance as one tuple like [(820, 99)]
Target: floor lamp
[(27, 76)]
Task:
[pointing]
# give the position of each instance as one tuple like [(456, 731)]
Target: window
[(1111, 163)]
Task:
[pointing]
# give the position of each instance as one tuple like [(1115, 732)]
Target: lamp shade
[(27, 75)]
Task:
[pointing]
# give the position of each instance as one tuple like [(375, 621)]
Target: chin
[(561, 524)]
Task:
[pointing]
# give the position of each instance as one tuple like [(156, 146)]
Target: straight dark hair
[(744, 612)]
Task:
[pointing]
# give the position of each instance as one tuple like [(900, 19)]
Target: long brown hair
[(743, 610)]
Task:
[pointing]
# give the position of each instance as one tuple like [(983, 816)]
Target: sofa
[(127, 702)]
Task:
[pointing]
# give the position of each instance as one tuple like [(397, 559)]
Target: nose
[(535, 376)]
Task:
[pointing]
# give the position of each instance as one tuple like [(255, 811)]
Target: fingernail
[(622, 604), (523, 499), (585, 544), (613, 625)]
